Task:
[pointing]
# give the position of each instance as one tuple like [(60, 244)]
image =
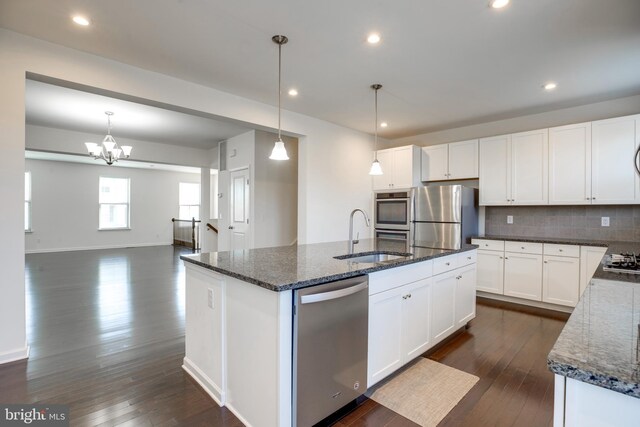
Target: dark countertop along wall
[(574, 222)]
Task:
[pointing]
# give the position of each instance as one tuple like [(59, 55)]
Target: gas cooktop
[(623, 263)]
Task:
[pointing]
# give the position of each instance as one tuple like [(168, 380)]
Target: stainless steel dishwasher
[(330, 328)]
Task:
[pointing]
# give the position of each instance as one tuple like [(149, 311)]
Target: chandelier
[(109, 151)]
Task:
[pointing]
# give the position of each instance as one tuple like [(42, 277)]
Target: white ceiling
[(442, 63), (60, 107)]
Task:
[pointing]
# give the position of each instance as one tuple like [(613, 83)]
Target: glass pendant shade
[(376, 169), (126, 150), (279, 152), (109, 143), (92, 147)]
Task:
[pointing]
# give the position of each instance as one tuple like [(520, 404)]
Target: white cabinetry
[(495, 170), (410, 311), (514, 169), (590, 258), (443, 308), (399, 327), (465, 295), (490, 266), (400, 167), (529, 168), (613, 144), (456, 160), (561, 275), (570, 165), (523, 275)]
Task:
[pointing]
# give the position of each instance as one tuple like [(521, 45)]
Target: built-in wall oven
[(392, 215)]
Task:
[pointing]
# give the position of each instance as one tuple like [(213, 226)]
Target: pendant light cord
[(279, 87), (376, 128)]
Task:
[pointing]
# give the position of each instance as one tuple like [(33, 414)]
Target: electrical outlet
[(210, 297), (605, 221), (509, 219)]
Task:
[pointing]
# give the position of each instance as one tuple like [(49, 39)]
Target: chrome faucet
[(353, 241)]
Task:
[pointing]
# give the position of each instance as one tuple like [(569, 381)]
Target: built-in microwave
[(393, 210)]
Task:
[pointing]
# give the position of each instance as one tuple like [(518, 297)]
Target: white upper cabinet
[(463, 159), (495, 170), (400, 168), (570, 165), (613, 176), (514, 169), (457, 160), (529, 168), (434, 163)]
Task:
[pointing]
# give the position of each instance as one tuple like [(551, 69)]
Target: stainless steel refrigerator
[(444, 216)]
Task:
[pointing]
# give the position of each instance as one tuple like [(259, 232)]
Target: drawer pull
[(546, 262), (559, 250), (521, 247), (447, 263), (469, 258)]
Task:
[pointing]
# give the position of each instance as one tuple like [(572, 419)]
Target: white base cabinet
[(579, 404), (443, 309), (410, 310), (549, 273), (561, 280), (523, 275)]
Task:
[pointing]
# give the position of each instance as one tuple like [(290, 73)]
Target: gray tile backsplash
[(578, 222)]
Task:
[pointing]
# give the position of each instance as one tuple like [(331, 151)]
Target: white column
[(13, 341), (206, 238)]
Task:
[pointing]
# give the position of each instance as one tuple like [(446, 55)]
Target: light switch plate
[(509, 219), (605, 221)]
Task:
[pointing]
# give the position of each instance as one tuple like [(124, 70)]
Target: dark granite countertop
[(294, 267), (558, 241), (599, 343)]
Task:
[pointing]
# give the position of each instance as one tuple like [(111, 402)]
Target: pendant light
[(279, 151), (109, 151), (376, 169)]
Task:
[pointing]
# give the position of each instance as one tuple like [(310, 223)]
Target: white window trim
[(128, 226), (199, 205)]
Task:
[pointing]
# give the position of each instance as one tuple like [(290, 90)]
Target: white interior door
[(239, 210)]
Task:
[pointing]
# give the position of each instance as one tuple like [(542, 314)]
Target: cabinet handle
[(447, 263), (404, 297), (469, 258), (486, 244), (560, 250), (409, 295), (546, 262), (593, 198), (588, 198), (506, 257), (521, 247), (231, 227), (501, 258)]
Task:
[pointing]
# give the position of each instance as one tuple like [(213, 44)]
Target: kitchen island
[(596, 358), (239, 314)]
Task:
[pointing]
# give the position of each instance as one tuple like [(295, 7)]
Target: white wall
[(275, 193), (584, 113), (333, 160), (62, 140), (65, 206)]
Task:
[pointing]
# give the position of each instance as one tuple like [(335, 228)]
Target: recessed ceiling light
[(293, 92), (498, 4), (373, 38), (81, 20), (384, 124), (550, 86)]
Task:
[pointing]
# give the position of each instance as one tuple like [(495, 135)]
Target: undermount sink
[(373, 258)]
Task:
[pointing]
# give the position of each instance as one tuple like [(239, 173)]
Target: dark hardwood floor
[(106, 330), (506, 347)]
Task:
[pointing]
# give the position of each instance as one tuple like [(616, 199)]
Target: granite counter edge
[(322, 279), (570, 370)]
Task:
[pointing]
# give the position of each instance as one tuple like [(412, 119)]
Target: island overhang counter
[(239, 314)]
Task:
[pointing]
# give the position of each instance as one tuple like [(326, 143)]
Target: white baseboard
[(92, 248), (522, 301), (14, 355), (235, 412), (205, 382)]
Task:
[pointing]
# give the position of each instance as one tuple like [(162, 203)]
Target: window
[(27, 201), (189, 199), (114, 203)]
